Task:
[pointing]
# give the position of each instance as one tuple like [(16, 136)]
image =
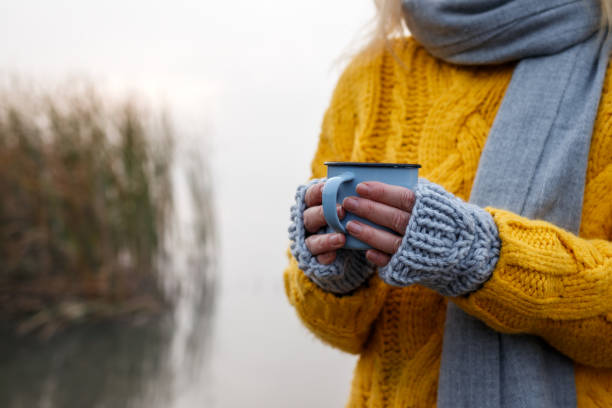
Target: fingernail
[(340, 212), (354, 227), (351, 204), (363, 189), (335, 239)]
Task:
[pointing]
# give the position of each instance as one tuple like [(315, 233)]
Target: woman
[(496, 288)]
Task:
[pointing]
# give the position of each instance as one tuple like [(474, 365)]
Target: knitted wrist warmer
[(349, 270), (450, 246)]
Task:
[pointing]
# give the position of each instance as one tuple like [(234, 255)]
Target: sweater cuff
[(450, 246), (349, 270)]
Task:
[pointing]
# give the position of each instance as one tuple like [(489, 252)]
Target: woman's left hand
[(383, 204)]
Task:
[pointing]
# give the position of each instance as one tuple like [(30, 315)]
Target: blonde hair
[(389, 23)]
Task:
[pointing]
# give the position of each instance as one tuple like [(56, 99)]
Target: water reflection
[(114, 364), (126, 223), (103, 365)]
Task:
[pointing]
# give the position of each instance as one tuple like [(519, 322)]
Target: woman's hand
[(383, 204), (324, 246)]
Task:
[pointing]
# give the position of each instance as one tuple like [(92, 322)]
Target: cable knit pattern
[(450, 246), (547, 281), (348, 271)]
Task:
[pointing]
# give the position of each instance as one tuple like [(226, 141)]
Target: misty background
[(246, 83)]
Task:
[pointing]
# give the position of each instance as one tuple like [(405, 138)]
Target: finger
[(377, 258), (378, 213), (327, 258), (314, 195), (321, 243), (376, 238), (314, 219), (395, 196)]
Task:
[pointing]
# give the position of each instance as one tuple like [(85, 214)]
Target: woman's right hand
[(323, 246)]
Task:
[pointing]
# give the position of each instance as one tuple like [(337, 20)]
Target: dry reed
[(86, 199)]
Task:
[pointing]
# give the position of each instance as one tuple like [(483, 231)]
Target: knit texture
[(348, 271), (546, 282), (533, 164), (449, 245)]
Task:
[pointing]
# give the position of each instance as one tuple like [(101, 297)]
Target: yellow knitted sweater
[(547, 282)]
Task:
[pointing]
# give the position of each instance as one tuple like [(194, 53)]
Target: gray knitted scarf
[(534, 164)]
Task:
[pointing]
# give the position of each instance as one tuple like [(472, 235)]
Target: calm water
[(259, 356), (97, 366), (231, 341), (251, 87)]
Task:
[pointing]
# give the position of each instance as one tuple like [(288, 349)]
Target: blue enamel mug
[(342, 180)]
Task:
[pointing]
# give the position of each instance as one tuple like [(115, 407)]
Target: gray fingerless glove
[(450, 246), (349, 270)]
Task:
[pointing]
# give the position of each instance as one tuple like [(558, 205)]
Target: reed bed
[(86, 203)]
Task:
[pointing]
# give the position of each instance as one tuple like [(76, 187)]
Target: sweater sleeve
[(515, 274), (551, 283), (342, 321)]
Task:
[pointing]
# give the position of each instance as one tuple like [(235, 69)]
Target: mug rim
[(363, 164)]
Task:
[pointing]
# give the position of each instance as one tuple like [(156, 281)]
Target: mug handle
[(330, 196)]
